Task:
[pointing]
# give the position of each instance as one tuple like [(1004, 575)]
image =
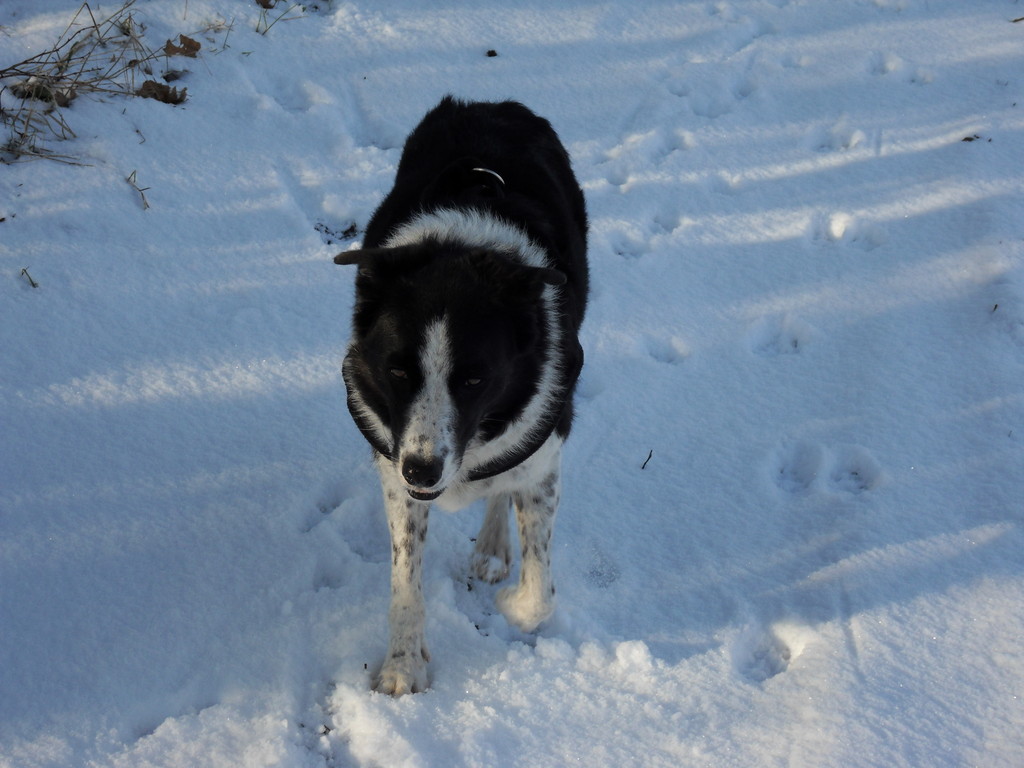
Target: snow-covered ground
[(791, 531)]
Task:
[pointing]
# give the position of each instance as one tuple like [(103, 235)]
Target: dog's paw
[(489, 568), (524, 608), (402, 674)]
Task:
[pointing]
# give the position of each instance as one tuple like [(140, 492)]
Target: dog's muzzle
[(422, 474)]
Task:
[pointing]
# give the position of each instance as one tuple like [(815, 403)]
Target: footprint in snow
[(589, 385), (805, 465), (629, 244), (668, 221), (838, 137), (712, 95), (712, 100), (886, 64), (725, 184), (920, 76), (642, 150), (353, 517), (781, 335), (759, 654), (880, 63), (854, 470), (328, 499), (848, 229), (671, 350), (300, 96), (797, 466), (602, 571)]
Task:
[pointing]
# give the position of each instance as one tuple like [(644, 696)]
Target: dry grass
[(92, 56), (97, 56)]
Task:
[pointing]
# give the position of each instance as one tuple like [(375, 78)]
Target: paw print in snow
[(783, 335), (671, 350), (854, 470), (847, 229), (804, 465), (798, 466), (839, 137), (885, 64), (760, 653)]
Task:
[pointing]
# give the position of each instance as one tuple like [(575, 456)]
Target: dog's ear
[(353, 257), (516, 282), (381, 267), (372, 260)]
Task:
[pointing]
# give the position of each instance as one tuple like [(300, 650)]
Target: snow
[(807, 317)]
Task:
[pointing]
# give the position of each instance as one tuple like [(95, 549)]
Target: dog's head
[(448, 347)]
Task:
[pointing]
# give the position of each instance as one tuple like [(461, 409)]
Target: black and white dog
[(470, 293)]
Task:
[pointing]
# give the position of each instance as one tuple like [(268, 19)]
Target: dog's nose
[(422, 471)]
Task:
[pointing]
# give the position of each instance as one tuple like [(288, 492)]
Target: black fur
[(540, 194), (492, 298)]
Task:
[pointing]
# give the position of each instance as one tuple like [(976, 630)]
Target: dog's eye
[(399, 373), (472, 382)]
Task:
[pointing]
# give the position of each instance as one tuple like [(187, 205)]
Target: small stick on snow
[(131, 180)]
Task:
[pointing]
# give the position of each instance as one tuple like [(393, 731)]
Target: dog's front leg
[(492, 555), (405, 667), (533, 599)]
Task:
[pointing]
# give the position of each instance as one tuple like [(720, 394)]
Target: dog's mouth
[(424, 495)]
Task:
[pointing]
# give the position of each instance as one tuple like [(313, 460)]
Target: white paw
[(489, 568), (402, 674), (525, 609)]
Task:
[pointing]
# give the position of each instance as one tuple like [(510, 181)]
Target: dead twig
[(649, 454), (264, 23), (130, 178)]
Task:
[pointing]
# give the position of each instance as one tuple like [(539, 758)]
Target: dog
[(470, 292)]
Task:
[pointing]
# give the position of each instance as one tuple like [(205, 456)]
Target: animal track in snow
[(672, 349), (298, 97), (709, 93), (760, 653), (602, 570), (725, 184), (668, 221), (802, 466), (629, 244), (782, 335), (589, 385), (712, 100), (920, 76), (854, 470), (885, 64), (838, 137), (849, 229), (329, 499), (643, 150), (797, 466)]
